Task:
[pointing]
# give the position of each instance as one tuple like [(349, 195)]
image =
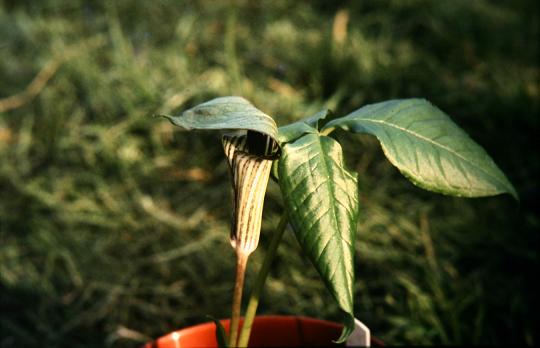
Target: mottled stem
[(241, 263), (259, 282)]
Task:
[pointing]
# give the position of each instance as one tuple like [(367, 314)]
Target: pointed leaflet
[(428, 148), (321, 199), (226, 113)]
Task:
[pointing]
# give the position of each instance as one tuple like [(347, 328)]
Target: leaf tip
[(348, 328), (162, 116), (174, 120), (512, 192)]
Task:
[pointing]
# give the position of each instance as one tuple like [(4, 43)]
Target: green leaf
[(319, 116), (321, 199), (295, 130), (428, 148), (221, 337), (226, 113)]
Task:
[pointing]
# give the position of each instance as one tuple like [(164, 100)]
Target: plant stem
[(241, 262), (259, 282)]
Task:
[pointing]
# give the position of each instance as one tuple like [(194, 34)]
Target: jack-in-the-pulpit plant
[(320, 195)]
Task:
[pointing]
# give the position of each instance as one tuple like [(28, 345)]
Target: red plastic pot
[(267, 331)]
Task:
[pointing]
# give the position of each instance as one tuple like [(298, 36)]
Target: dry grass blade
[(45, 74)]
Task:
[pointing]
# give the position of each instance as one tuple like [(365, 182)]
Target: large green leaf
[(321, 199), (428, 148), (226, 113)]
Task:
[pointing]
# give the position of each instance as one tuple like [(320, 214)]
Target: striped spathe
[(250, 161)]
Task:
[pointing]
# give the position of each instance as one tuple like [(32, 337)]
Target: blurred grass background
[(114, 226)]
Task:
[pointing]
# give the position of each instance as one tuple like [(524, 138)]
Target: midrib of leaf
[(419, 136), (335, 213), (330, 246)]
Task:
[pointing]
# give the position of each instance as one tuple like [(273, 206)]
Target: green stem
[(259, 282)]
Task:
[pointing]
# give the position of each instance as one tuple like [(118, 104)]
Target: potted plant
[(321, 198)]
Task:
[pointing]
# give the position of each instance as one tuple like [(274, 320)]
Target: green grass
[(114, 226)]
